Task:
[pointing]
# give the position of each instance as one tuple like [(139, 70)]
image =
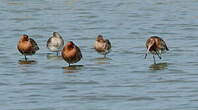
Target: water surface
[(124, 80)]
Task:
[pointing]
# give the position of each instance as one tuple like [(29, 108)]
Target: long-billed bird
[(156, 46)]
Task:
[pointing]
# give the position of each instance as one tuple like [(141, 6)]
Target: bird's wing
[(164, 44), (35, 46), (107, 44), (79, 51)]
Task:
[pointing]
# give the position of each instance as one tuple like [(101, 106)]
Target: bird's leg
[(57, 53), (25, 58), (69, 65), (145, 55), (158, 55), (154, 59), (105, 55)]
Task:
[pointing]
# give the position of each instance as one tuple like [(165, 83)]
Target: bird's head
[(24, 37), (70, 45), (99, 38)]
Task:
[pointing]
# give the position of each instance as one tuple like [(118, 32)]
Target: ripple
[(82, 83), (123, 86), (15, 3), (23, 19), (34, 83), (172, 81), (99, 97), (3, 84), (141, 99), (94, 67), (42, 28)]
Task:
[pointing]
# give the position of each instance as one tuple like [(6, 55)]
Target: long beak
[(147, 52)]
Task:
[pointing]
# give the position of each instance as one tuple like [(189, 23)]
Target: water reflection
[(51, 56), (72, 68), (27, 62), (158, 66), (102, 60)]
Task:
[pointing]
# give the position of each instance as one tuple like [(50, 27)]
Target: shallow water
[(124, 80)]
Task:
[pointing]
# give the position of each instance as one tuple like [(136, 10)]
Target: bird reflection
[(102, 60), (51, 56), (72, 68), (27, 62), (158, 66)]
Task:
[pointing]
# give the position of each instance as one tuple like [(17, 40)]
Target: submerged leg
[(145, 55), (25, 58), (154, 59), (105, 55)]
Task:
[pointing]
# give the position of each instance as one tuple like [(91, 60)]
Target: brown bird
[(102, 46), (27, 46), (156, 46), (71, 53)]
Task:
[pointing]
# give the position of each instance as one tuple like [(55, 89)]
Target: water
[(124, 80)]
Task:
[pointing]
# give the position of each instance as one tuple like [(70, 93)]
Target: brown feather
[(71, 54), (27, 46)]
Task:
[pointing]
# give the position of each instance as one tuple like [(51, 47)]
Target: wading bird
[(156, 46), (71, 53), (27, 46), (102, 46), (55, 43)]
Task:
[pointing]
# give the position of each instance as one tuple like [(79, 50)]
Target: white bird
[(55, 43)]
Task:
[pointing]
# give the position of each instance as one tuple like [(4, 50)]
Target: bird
[(27, 46), (156, 46), (102, 46), (55, 43), (71, 53)]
